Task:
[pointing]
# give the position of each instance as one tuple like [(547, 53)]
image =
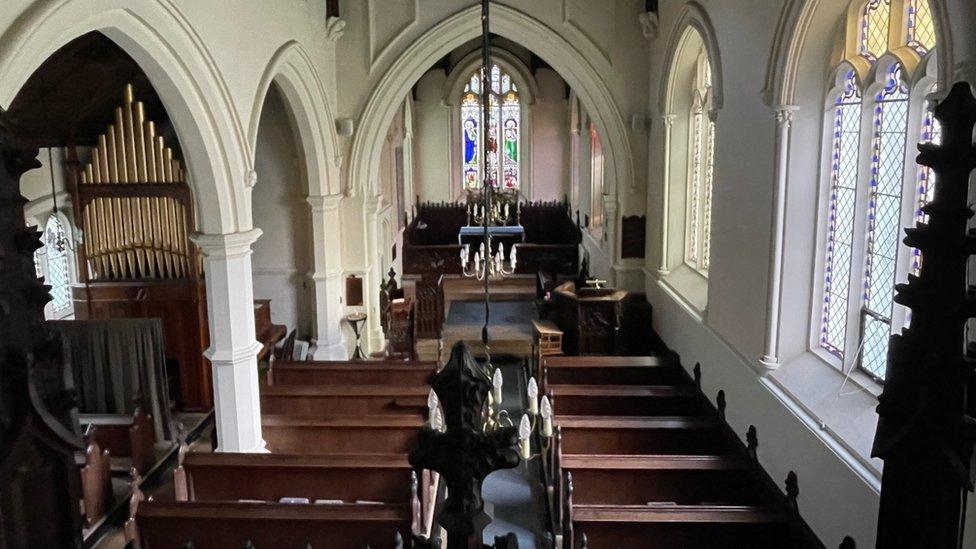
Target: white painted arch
[(692, 17), (160, 39), (565, 57), (292, 71)]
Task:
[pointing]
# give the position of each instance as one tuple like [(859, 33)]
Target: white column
[(373, 337), (233, 348), (784, 119), (663, 270), (326, 275)]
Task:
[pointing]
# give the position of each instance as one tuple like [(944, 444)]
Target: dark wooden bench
[(123, 436), (230, 525), (270, 477), (624, 400), (612, 370), (397, 374), (340, 435), (680, 479), (352, 400), (641, 435), (681, 526)]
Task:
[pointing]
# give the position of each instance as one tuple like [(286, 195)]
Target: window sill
[(690, 286), (843, 406)]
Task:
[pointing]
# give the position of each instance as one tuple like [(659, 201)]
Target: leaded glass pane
[(694, 187), (921, 28), (840, 227), (874, 28), (884, 208), (931, 133), (706, 199), (56, 253)]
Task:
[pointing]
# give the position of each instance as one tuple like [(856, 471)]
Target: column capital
[(226, 246), (324, 202), (371, 204), (785, 114)]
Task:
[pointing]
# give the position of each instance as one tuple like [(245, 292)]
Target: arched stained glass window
[(701, 160), (875, 187), (58, 275), (504, 131), (840, 227)]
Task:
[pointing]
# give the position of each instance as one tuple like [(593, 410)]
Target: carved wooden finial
[(398, 538), (848, 543), (792, 490), (584, 543), (752, 443), (697, 373), (720, 402)]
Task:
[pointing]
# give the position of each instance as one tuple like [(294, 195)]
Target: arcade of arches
[(745, 168)]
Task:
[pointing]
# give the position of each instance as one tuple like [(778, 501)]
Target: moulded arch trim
[(456, 80), (786, 56), (692, 17), (162, 42), (454, 31), (291, 69)]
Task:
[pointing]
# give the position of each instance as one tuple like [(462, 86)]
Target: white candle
[(496, 385), (546, 413), (533, 394), (525, 443)]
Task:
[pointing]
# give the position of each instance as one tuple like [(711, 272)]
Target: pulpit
[(590, 318)]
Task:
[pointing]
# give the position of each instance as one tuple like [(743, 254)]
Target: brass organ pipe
[(150, 133), (104, 207), (95, 165), (103, 157), (168, 165), (158, 236), (138, 123), (160, 160), (113, 166), (123, 117), (120, 146)]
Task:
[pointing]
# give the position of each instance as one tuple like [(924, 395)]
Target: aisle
[(517, 507)]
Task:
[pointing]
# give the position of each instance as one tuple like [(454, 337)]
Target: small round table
[(356, 320)]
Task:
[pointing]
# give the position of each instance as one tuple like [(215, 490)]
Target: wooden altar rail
[(354, 400), (232, 525), (391, 373)]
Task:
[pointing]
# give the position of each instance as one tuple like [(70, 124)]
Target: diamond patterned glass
[(840, 228), (884, 208), (931, 133), (874, 355), (874, 28), (56, 253), (504, 130), (921, 28)]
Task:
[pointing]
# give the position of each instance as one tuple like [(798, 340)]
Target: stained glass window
[(874, 28), (884, 219), (921, 28), (931, 133), (700, 173), (504, 131), (840, 228), (56, 255)]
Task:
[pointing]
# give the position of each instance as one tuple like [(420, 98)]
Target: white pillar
[(373, 339), (663, 270), (233, 348), (326, 276), (784, 119)]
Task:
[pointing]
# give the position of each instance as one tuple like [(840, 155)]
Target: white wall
[(282, 256), (432, 140)]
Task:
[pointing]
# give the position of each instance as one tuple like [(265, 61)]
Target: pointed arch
[(692, 16), (160, 39)]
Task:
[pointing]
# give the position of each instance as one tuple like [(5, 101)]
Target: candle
[(525, 443), (533, 394), (546, 412), (496, 385)]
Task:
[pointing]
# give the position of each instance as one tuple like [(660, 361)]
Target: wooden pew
[(388, 434), (230, 525), (641, 435), (612, 370), (682, 526), (397, 374), (624, 400), (96, 482), (269, 477), (130, 437), (679, 479), (353, 400)]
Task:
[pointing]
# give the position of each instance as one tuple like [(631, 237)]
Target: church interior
[(561, 274)]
